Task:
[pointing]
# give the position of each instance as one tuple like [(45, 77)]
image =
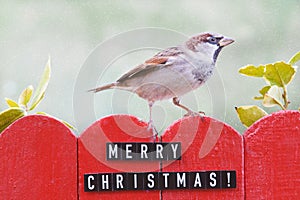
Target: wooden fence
[(42, 159)]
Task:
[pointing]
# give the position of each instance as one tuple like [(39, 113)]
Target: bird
[(173, 72)]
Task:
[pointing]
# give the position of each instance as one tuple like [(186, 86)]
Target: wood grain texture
[(38, 157), (92, 155), (272, 158), (207, 145)]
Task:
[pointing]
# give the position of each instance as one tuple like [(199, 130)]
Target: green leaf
[(295, 58), (251, 70), (273, 97), (10, 115), (249, 114), (40, 91), (26, 95), (279, 74), (11, 103), (263, 91)]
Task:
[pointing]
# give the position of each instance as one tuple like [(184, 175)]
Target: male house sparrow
[(174, 71)]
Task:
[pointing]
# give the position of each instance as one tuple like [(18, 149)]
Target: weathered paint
[(223, 149), (92, 155), (38, 157), (272, 157)]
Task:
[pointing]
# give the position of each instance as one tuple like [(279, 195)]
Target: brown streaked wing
[(172, 51), (139, 71), (156, 62)]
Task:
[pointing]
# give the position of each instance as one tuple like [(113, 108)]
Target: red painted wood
[(272, 158), (92, 154), (38, 157), (206, 145)]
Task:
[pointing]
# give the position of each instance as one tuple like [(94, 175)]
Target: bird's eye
[(212, 40)]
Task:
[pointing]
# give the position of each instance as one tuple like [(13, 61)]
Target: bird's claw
[(190, 113), (153, 130)]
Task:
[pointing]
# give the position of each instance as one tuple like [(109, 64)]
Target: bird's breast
[(175, 80)]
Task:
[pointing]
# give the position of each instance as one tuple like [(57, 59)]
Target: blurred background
[(70, 31)]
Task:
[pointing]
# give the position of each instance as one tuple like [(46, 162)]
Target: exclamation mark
[(228, 179)]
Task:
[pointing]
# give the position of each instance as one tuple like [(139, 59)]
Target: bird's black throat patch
[(217, 53)]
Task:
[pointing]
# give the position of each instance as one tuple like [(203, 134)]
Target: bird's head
[(208, 44)]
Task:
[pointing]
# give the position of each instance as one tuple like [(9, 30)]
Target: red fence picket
[(272, 158), (38, 157), (207, 145), (92, 154)]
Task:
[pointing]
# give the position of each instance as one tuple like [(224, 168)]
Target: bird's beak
[(225, 41)]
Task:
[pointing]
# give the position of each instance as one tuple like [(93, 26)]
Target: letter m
[(112, 151)]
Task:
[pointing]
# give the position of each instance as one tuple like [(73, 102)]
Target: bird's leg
[(151, 126), (176, 102)]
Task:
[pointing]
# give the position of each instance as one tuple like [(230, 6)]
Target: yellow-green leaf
[(279, 73), (295, 58), (40, 91), (63, 121), (251, 70), (273, 97), (25, 96), (68, 125), (263, 91), (10, 115), (258, 98), (42, 113), (249, 114), (11, 103)]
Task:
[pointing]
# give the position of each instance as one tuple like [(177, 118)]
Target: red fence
[(41, 158)]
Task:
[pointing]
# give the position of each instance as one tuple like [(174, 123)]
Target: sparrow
[(173, 72)]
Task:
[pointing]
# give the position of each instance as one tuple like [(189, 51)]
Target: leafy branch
[(21, 108), (277, 76)]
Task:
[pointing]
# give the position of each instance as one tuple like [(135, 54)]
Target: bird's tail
[(104, 87)]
